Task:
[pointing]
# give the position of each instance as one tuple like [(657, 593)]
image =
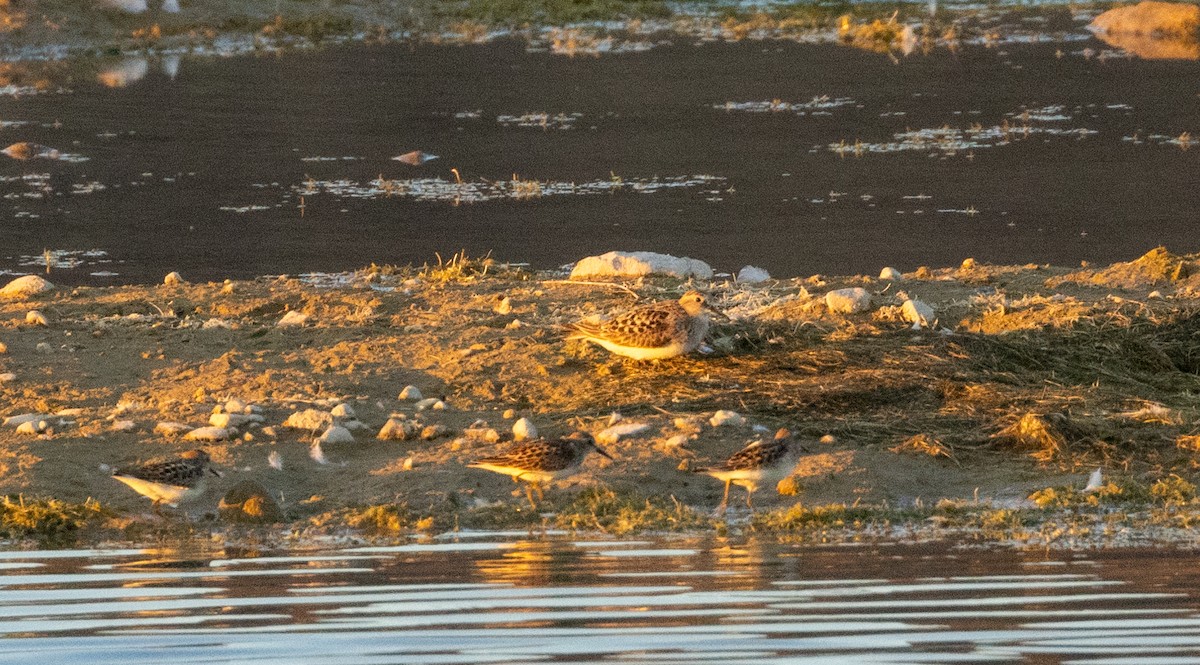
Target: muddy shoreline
[(986, 423)]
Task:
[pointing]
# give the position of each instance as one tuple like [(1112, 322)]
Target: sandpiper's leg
[(541, 492), (725, 499), (529, 494), (749, 496)]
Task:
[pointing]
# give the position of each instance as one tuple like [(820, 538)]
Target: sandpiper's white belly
[(171, 495), (530, 475), (643, 353)]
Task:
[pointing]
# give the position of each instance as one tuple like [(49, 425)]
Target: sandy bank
[(1030, 378)]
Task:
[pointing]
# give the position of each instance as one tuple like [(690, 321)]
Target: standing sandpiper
[(542, 460), (759, 463), (658, 330), (172, 481)]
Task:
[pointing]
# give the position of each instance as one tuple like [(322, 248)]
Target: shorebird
[(760, 463), (658, 330), (542, 460), (172, 481)]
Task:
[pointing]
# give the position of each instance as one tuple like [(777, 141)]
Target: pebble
[(172, 428), (123, 425), (173, 279), (7, 376), (828, 439), (620, 431), (33, 427), (515, 324), (969, 264), (3, 347), (918, 313), (752, 275), (524, 429), (43, 347), (508, 414), (410, 392), (248, 502), (269, 431), (397, 429), (431, 432), (676, 442), (35, 318), (431, 403), (235, 406), (336, 434), (69, 413), (14, 421), (408, 464), (343, 411), (891, 274), (23, 287), (292, 319), (503, 306), (207, 434), (309, 419), (233, 419), (727, 418), (848, 301)]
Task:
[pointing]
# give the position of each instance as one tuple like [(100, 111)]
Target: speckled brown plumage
[(169, 481), (542, 460), (658, 330), (761, 462)]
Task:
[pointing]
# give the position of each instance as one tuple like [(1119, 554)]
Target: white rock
[(233, 419), (354, 425), (637, 264), (173, 279), (411, 392), (7, 376), (36, 318), (1154, 295), (207, 434), (123, 425), (891, 274), (918, 313), (515, 324), (848, 301), (23, 287), (524, 429), (131, 6), (676, 442), (503, 306), (620, 431), (343, 410), (292, 319), (33, 427), (172, 428), (752, 275), (43, 347), (431, 403), (14, 421), (309, 419), (725, 418), (71, 412), (336, 434), (212, 324), (396, 429), (170, 7), (408, 464), (235, 406)]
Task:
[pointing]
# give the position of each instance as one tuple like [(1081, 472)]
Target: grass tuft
[(50, 522), (606, 510)]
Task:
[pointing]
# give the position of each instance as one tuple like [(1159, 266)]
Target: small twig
[(610, 285)]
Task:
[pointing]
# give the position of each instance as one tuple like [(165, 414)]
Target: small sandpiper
[(760, 463), (172, 481), (655, 331), (542, 460)]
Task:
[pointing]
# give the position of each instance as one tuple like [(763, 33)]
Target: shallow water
[(800, 158), (506, 598)]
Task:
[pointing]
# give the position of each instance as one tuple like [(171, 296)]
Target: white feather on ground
[(275, 460)]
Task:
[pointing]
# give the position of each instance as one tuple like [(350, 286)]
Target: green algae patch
[(609, 511), (49, 522)]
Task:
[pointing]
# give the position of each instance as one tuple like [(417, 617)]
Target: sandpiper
[(542, 460), (658, 330), (760, 463), (172, 481)]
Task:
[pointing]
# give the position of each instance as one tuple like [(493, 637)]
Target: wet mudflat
[(512, 598), (800, 158)]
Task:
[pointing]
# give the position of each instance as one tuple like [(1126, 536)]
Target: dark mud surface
[(800, 158)]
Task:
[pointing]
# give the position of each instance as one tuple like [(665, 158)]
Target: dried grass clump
[(923, 444), (1188, 442), (603, 509), (1047, 437), (1154, 268), (48, 521)]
